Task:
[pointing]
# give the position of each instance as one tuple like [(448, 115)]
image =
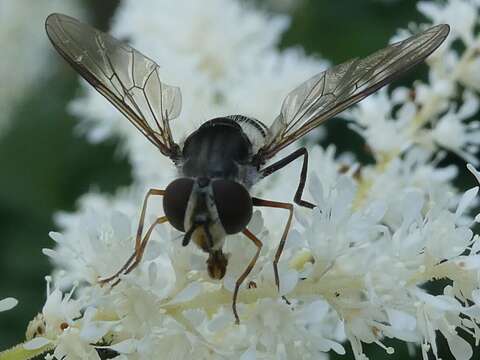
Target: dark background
[(45, 168)]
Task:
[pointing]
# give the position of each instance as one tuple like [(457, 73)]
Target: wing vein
[(311, 103), (109, 65)]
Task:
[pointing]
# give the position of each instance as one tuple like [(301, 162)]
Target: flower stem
[(18, 352)]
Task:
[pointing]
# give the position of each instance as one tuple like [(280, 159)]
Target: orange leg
[(279, 205), (247, 271), (138, 239), (143, 245)]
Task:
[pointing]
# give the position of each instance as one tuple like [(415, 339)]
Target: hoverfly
[(218, 163)]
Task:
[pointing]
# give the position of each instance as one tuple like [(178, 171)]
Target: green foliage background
[(44, 167)]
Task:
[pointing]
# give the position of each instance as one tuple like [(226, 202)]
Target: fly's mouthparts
[(199, 223)]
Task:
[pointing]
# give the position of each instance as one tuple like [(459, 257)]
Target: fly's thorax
[(254, 130), (216, 150)]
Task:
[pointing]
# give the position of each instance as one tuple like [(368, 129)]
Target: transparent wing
[(332, 91), (128, 79)]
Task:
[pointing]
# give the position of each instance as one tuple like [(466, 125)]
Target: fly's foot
[(284, 298), (111, 280)]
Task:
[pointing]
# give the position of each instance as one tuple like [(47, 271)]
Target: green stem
[(18, 352)]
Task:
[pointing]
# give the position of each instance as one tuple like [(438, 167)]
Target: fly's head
[(206, 211)]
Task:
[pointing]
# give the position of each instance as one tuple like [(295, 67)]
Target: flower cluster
[(354, 268), (25, 48)]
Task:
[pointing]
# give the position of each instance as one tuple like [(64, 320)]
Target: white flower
[(445, 240), (353, 269), (8, 303), (373, 120), (453, 134), (428, 115), (414, 173), (468, 74), (436, 313), (68, 326), (461, 15)]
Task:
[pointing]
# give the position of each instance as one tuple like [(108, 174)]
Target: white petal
[(94, 331), (152, 273), (153, 251), (469, 106), (338, 348), (466, 200), (256, 224), (476, 296), (376, 210), (468, 262), (401, 320), (8, 303), (327, 345), (220, 322), (474, 171), (472, 312), (412, 204), (89, 314), (229, 282), (250, 354), (440, 302), (288, 281), (121, 225), (56, 236), (36, 343), (316, 189), (196, 317), (315, 311), (187, 293), (49, 252), (460, 348), (125, 347)]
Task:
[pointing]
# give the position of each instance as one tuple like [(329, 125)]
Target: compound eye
[(175, 201), (234, 205)]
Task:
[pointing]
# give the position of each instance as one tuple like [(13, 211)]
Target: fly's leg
[(247, 271), (281, 245), (138, 238), (303, 174), (139, 254)]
